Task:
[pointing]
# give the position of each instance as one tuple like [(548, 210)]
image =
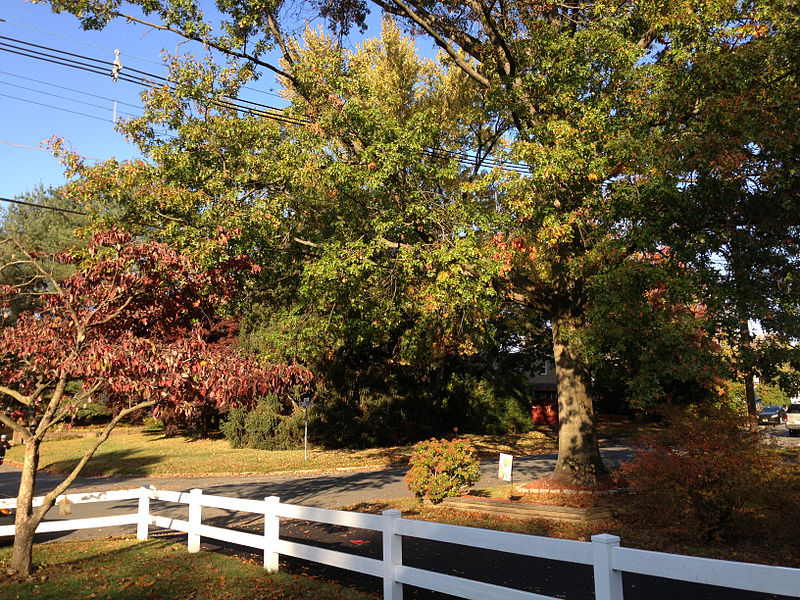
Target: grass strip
[(132, 451), (124, 568)]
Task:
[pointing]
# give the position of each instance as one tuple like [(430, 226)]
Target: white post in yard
[(195, 517), (272, 524), (607, 580), (142, 525), (392, 555)]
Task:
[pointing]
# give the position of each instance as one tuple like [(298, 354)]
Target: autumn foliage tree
[(125, 328)]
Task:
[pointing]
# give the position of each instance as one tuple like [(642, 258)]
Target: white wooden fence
[(603, 553)]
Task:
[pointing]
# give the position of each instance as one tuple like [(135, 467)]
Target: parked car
[(793, 419), (772, 415)]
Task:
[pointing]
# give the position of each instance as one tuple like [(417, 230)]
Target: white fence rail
[(603, 553)]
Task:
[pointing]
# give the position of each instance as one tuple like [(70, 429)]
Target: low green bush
[(90, 413), (264, 427), (441, 469)]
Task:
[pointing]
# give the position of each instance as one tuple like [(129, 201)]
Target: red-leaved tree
[(127, 329)]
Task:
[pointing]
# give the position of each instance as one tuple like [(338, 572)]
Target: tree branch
[(49, 499), (58, 290), (65, 411), (205, 42), (46, 422), (113, 315), (494, 35), (307, 243), (15, 427), (648, 38), (428, 23), (26, 400)]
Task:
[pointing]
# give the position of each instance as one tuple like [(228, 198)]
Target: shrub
[(441, 468), (232, 427), (263, 427), (90, 413), (705, 471), (153, 424)]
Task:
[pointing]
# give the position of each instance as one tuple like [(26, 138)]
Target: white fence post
[(272, 526), (392, 555), (143, 524), (607, 580), (195, 517)]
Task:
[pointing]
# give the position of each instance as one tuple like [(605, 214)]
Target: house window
[(543, 369)]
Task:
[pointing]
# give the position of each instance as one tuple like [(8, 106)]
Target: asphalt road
[(326, 490)]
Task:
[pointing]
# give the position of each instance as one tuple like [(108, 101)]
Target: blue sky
[(30, 88), (39, 100)]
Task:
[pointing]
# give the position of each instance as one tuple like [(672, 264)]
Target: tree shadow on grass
[(113, 463)]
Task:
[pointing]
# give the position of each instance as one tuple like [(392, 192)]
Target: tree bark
[(25, 523), (745, 358), (579, 459), (750, 398), (27, 520)]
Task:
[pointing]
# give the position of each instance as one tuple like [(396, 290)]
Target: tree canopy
[(600, 134)]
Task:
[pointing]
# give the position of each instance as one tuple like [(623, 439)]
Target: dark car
[(772, 415)]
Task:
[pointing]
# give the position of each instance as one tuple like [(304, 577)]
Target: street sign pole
[(306, 403)]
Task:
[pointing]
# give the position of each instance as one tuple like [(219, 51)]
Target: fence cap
[(605, 538)]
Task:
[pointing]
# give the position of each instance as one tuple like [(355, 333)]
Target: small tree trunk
[(579, 459), (746, 358), (750, 398), (25, 522)]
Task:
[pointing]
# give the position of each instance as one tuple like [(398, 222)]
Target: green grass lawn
[(133, 451), (124, 568)]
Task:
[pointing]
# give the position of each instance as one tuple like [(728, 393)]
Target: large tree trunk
[(579, 458), (25, 521)]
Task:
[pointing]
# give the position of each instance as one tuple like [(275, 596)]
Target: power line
[(69, 89), (77, 41), (81, 56), (233, 103), (30, 89), (125, 54), (45, 207), (236, 104), (75, 112), (45, 150)]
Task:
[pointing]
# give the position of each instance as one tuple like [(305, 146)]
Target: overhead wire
[(40, 149), (147, 78), (64, 58), (125, 54), (75, 112), (69, 89), (30, 89), (44, 207)]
